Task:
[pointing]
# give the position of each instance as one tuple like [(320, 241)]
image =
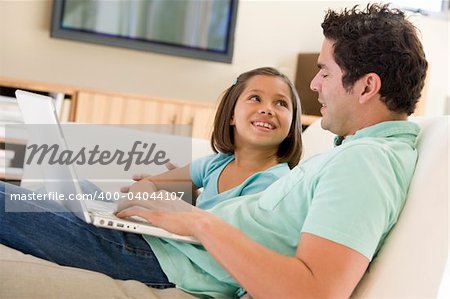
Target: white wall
[(268, 33), (435, 36)]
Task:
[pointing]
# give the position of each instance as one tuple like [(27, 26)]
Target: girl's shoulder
[(211, 162), (214, 159), (208, 168)]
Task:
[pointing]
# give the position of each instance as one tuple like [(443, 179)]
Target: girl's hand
[(136, 178), (171, 166)]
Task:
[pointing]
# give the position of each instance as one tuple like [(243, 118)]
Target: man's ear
[(371, 87)]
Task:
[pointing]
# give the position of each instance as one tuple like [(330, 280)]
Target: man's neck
[(382, 114)]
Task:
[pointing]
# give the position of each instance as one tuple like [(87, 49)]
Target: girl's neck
[(250, 158)]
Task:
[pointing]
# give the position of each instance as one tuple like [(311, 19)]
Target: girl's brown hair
[(222, 139)]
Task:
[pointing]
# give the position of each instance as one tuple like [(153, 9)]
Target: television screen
[(201, 29)]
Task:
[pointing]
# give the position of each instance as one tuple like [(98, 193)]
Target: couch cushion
[(412, 260), (25, 276)]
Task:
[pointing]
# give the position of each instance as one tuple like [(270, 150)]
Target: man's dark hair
[(379, 40)]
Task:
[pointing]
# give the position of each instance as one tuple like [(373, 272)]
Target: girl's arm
[(176, 179)]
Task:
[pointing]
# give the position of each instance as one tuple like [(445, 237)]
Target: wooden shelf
[(37, 86)]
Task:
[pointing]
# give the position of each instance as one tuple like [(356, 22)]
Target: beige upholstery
[(410, 265), (412, 261), (24, 276)]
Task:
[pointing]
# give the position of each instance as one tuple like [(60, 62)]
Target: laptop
[(39, 109)]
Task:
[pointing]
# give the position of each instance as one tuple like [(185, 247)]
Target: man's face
[(339, 106)]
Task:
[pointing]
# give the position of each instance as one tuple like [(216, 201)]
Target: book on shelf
[(10, 173), (9, 111), (5, 162), (6, 156), (14, 133)]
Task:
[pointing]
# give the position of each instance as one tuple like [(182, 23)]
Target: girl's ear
[(372, 85), (232, 123)]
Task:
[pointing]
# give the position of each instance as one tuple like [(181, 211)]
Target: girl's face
[(263, 113)]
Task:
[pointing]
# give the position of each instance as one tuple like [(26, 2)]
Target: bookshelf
[(64, 95), (11, 159), (12, 146)]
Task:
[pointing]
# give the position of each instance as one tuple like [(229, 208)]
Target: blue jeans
[(63, 238)]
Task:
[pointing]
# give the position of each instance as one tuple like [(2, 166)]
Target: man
[(312, 233)]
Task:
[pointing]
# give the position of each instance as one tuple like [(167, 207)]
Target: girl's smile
[(264, 125)]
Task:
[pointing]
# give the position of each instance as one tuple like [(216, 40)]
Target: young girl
[(256, 137)]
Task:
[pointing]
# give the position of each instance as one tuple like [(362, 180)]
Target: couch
[(409, 265)]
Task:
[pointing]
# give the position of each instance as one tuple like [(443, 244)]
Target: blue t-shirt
[(205, 173)]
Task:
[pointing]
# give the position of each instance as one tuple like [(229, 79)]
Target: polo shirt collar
[(383, 130)]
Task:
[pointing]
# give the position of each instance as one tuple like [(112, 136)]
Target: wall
[(268, 33), (435, 34)]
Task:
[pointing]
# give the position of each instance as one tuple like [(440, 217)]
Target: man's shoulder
[(367, 150)]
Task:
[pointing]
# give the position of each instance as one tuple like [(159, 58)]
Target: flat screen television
[(200, 29)]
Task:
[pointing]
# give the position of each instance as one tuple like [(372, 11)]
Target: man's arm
[(320, 269)]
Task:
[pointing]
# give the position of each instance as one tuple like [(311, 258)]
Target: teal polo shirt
[(351, 195)]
